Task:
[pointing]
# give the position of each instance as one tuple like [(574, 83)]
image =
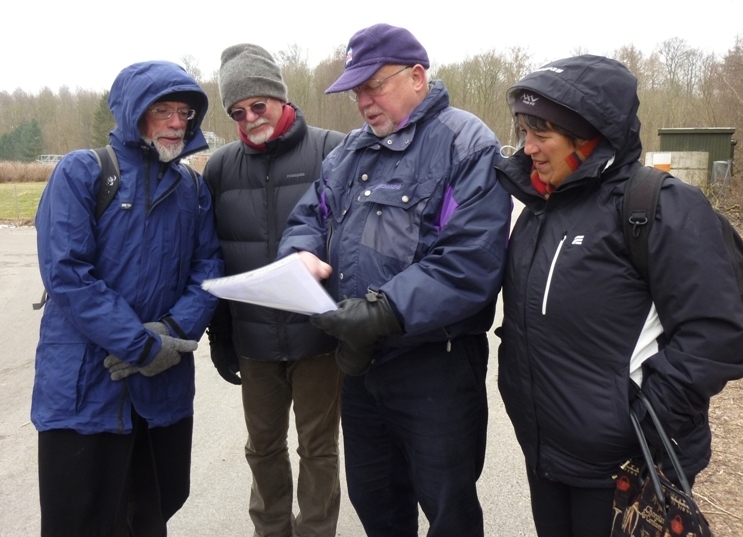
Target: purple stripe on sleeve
[(323, 205), (448, 206)]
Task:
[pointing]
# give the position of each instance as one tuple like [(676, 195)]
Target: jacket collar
[(436, 100)]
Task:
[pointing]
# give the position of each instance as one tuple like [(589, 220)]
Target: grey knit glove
[(169, 355), (161, 329)]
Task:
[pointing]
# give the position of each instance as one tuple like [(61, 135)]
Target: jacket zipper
[(160, 175), (329, 238), (549, 276)]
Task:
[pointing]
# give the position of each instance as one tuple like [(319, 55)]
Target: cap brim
[(352, 78)]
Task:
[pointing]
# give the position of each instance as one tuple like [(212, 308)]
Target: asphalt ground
[(220, 479)]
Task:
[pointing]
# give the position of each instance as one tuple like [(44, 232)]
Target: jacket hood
[(601, 90), (140, 85)]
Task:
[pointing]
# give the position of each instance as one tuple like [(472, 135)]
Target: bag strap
[(666, 445), (193, 175), (195, 179), (110, 178), (639, 206)]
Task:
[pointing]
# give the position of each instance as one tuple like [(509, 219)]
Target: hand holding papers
[(285, 284)]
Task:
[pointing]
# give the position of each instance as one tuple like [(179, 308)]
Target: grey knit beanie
[(249, 71)]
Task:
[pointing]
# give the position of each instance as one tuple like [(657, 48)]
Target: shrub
[(24, 172)]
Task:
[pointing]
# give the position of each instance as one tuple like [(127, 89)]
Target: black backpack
[(110, 179), (638, 214)]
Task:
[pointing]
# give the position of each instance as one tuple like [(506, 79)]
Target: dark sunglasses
[(259, 108)]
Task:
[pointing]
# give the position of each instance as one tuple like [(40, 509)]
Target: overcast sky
[(85, 43)]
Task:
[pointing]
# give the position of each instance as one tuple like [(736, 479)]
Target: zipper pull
[(448, 345)]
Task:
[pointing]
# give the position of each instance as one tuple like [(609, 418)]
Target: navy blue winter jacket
[(418, 215), (143, 261)]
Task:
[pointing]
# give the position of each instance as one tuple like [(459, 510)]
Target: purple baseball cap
[(371, 48)]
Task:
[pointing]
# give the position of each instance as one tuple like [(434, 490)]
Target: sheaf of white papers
[(285, 284)]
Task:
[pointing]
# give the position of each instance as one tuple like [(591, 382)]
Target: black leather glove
[(224, 357), (358, 323), (168, 356)]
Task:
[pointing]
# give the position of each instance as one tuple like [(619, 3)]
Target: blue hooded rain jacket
[(142, 261)]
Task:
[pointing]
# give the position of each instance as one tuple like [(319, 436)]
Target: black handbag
[(646, 503)]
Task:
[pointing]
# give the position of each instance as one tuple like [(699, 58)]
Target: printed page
[(285, 284)]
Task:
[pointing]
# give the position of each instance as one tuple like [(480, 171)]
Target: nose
[(363, 99), (529, 146), (175, 121), (250, 116)]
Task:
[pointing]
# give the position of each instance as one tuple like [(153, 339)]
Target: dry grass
[(24, 172), (716, 489)]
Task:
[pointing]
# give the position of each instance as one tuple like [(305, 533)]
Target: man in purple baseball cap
[(408, 225)]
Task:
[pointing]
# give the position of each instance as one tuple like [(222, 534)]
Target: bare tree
[(191, 65)]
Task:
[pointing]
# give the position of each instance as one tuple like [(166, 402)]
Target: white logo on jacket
[(578, 239)]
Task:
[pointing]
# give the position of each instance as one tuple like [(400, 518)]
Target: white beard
[(169, 152), (258, 139)]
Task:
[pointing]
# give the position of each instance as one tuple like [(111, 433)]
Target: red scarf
[(572, 162), (285, 121)]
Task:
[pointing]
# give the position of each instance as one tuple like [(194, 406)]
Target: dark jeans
[(414, 432), (111, 484)]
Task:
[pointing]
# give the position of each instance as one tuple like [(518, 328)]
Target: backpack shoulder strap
[(195, 179), (108, 185), (639, 206), (192, 173), (110, 178)]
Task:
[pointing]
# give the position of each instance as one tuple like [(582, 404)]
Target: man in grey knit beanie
[(279, 358), (249, 71)]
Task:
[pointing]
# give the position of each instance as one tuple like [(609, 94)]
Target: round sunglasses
[(259, 108)]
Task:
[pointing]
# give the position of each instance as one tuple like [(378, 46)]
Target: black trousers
[(113, 485), (563, 511)]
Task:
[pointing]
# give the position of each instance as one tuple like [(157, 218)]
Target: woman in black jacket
[(581, 324)]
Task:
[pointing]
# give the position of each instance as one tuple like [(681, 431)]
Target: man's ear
[(420, 80)]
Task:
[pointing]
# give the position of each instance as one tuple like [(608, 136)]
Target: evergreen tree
[(7, 146), (24, 143), (31, 141), (103, 122)]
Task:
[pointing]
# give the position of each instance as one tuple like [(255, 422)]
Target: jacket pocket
[(64, 375), (393, 221)]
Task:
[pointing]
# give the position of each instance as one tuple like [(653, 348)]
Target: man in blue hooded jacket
[(413, 226), (114, 386)]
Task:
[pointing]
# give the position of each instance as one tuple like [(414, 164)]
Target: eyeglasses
[(258, 109), (184, 114), (371, 87)]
